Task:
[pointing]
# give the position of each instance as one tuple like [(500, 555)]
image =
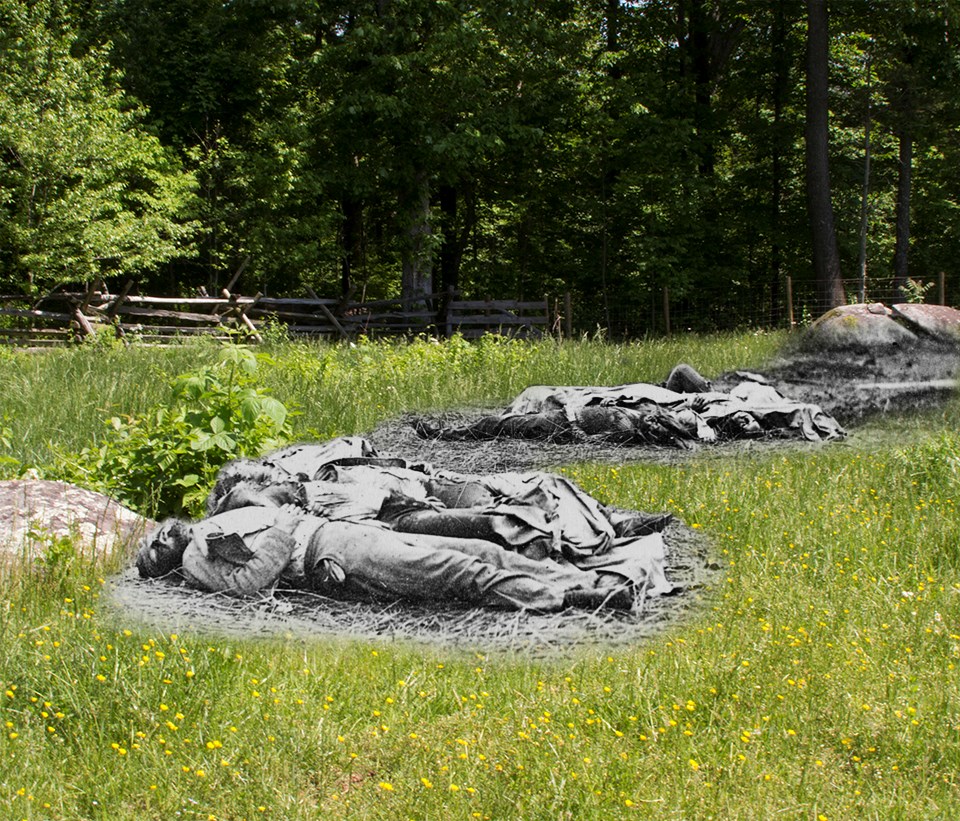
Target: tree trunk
[(699, 38), (865, 197), (826, 257), (781, 78), (351, 231), (450, 249), (612, 36), (612, 23), (417, 235), (902, 247)]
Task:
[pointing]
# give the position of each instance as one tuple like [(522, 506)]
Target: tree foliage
[(85, 190), (512, 147)]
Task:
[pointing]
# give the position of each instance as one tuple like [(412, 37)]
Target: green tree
[(224, 86), (760, 185), (918, 67), (525, 147), (826, 256), (84, 190), (418, 110)]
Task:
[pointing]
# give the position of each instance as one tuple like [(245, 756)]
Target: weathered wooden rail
[(63, 317)]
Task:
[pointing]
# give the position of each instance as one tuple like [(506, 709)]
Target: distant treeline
[(505, 149)]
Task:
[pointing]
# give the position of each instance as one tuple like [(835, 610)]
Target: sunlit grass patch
[(819, 679), (60, 400), (425, 374)]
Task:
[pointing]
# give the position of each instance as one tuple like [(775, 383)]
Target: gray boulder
[(938, 322), (863, 326), (35, 513)]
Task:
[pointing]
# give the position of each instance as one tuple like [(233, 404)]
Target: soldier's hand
[(289, 517)]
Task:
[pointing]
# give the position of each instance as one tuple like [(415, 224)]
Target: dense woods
[(511, 148)]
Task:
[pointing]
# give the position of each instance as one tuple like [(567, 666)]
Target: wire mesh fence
[(729, 306)]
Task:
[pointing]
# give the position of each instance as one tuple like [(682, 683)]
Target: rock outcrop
[(35, 513), (875, 325)]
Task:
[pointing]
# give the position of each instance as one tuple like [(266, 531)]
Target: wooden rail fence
[(63, 317)]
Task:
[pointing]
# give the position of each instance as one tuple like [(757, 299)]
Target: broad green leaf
[(251, 408), (274, 410)]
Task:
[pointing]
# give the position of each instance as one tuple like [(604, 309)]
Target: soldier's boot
[(615, 598)]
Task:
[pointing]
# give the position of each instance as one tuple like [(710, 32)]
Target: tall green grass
[(819, 678), (60, 400)]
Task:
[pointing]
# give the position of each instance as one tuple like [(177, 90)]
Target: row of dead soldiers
[(345, 522)]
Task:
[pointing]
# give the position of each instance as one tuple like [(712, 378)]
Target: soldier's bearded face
[(162, 551)]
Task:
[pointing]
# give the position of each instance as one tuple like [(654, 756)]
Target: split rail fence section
[(63, 317)]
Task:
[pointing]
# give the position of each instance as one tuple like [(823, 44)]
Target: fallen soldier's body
[(683, 411), (537, 514), (394, 530), (253, 549)]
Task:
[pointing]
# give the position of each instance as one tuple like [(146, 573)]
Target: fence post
[(447, 312), (790, 322), (666, 309), (568, 314), (237, 274), (83, 324), (334, 321), (943, 287), (113, 312)]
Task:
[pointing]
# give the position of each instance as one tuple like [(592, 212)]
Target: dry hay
[(857, 384), (398, 438), (173, 607)]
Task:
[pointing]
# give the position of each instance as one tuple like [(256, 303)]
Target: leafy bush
[(164, 462)]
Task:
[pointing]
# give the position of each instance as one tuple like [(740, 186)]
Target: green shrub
[(163, 463), (915, 291)]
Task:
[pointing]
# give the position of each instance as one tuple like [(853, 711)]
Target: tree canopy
[(86, 190), (512, 147)]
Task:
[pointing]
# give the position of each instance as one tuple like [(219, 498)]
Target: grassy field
[(819, 681)]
